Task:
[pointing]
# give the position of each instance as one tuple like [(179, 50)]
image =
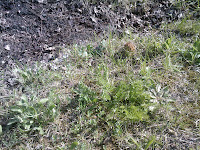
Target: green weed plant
[(32, 115), (123, 103), (193, 55)]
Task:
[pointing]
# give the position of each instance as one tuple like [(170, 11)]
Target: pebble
[(7, 47)]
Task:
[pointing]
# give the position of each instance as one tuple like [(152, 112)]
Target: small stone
[(93, 19), (42, 1), (64, 68), (7, 47)]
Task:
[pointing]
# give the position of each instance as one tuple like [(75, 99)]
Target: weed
[(114, 106), (32, 115), (186, 27), (193, 55), (85, 95), (141, 146)]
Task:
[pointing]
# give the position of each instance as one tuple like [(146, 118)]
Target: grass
[(94, 100), (91, 100)]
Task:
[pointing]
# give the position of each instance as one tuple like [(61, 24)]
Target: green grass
[(94, 100)]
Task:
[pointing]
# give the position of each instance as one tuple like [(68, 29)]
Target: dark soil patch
[(29, 27)]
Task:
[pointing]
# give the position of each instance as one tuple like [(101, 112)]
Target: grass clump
[(186, 27), (32, 115), (112, 109), (124, 102), (192, 55)]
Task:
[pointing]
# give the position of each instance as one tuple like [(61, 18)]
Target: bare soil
[(29, 28)]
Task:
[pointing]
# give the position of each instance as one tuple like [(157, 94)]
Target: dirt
[(30, 28)]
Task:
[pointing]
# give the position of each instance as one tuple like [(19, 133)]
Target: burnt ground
[(29, 28)]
